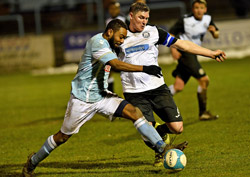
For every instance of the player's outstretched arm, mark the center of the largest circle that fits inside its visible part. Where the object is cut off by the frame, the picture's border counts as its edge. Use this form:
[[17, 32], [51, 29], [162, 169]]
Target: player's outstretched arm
[[122, 66], [190, 47]]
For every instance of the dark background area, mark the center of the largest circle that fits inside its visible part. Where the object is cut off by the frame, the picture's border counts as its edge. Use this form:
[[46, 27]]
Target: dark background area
[[59, 19]]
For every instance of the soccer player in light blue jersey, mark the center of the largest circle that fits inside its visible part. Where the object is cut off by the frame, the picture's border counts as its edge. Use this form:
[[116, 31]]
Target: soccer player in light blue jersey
[[89, 94]]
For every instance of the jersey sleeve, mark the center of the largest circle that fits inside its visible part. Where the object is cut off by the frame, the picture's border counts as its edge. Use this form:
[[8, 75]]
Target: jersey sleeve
[[165, 38], [178, 27], [101, 51], [213, 24]]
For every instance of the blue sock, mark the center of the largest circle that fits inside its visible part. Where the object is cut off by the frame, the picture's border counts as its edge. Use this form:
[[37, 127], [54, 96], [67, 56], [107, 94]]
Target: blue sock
[[45, 150], [150, 133]]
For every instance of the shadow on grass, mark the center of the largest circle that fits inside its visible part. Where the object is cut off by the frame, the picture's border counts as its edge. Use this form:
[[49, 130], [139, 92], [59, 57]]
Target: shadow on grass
[[121, 139], [42, 121], [57, 119], [188, 123], [87, 167]]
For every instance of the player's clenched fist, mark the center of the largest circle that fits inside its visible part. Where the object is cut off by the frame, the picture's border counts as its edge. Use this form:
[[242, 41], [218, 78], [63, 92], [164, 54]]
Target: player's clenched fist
[[219, 55], [153, 70]]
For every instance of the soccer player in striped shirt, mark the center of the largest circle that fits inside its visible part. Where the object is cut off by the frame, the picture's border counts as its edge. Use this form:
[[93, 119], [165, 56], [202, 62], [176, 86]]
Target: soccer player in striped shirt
[[149, 93], [193, 27]]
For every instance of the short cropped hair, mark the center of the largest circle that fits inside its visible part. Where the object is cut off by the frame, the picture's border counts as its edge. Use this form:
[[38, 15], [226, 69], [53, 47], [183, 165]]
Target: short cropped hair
[[199, 1], [115, 25], [138, 6], [114, 3]]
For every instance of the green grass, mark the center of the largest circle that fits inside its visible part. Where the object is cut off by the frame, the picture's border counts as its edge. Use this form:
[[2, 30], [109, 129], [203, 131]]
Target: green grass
[[32, 108]]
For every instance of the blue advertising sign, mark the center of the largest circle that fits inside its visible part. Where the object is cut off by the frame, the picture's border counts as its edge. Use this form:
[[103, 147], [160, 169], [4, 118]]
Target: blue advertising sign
[[74, 44], [77, 40]]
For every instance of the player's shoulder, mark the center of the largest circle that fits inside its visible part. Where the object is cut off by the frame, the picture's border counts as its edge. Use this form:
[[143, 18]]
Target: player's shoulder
[[207, 17], [98, 41], [154, 27], [151, 26], [190, 15]]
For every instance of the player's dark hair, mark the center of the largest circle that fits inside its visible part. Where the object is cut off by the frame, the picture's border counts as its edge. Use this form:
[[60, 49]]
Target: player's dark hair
[[115, 25], [138, 6], [199, 1], [115, 3]]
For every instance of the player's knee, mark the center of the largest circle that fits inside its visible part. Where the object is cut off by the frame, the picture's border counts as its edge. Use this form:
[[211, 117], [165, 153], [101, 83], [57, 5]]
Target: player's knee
[[179, 87], [204, 81], [61, 138], [178, 129]]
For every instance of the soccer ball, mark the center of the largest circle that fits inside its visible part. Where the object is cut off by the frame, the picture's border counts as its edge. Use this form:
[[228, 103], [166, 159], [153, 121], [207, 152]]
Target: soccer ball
[[175, 160]]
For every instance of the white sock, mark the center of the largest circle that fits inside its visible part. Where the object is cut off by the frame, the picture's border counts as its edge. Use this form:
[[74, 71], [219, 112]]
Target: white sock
[[199, 89], [172, 90]]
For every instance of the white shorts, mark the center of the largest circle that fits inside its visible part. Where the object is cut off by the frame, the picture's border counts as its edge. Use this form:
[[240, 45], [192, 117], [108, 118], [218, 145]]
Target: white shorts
[[79, 112]]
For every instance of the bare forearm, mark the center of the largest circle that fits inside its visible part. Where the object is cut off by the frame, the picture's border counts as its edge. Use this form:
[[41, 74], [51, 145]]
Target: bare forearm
[[193, 48], [122, 66]]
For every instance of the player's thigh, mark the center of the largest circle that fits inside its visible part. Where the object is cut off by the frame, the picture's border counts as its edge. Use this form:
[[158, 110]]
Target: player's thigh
[[140, 101], [182, 72], [193, 66], [111, 106], [165, 107], [77, 113]]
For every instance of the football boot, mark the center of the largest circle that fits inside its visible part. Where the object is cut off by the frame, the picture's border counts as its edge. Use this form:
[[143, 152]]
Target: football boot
[[208, 116], [28, 169]]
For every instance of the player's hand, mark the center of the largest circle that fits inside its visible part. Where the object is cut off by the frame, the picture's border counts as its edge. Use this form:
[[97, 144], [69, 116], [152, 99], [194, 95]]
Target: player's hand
[[153, 70], [213, 31], [219, 55], [211, 28]]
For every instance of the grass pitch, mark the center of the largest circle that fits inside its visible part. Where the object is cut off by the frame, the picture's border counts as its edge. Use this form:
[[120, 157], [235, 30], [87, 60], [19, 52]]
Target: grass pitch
[[32, 108]]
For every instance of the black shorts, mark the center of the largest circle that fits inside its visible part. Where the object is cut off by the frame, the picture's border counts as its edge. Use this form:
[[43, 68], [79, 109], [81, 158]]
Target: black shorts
[[159, 101], [188, 65]]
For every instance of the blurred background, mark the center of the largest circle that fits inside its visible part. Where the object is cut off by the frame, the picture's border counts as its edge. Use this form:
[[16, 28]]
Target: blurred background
[[52, 33]]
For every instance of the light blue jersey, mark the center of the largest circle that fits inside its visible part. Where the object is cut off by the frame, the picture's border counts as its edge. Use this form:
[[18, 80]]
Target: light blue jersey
[[91, 79]]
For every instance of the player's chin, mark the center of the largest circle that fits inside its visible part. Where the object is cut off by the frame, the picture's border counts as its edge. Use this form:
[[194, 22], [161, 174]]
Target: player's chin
[[117, 45], [142, 27]]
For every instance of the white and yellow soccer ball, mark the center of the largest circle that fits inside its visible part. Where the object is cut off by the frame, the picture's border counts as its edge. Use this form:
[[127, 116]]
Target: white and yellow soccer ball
[[175, 160]]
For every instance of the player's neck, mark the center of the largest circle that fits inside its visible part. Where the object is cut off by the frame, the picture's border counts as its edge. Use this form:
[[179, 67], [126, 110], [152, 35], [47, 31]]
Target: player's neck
[[105, 36]]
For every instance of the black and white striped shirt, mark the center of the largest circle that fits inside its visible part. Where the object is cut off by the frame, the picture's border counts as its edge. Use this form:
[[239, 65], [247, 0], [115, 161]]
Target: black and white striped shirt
[[189, 28], [141, 48]]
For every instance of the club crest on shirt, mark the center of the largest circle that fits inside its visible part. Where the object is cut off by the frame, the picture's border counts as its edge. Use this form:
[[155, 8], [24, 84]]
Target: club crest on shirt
[[101, 41], [107, 68], [145, 34]]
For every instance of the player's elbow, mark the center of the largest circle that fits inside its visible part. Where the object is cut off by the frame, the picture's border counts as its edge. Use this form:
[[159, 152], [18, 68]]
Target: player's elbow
[[115, 64]]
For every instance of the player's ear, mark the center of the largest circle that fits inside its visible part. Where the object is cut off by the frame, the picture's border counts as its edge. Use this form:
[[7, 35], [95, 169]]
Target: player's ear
[[206, 10], [110, 33], [130, 15]]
